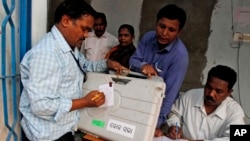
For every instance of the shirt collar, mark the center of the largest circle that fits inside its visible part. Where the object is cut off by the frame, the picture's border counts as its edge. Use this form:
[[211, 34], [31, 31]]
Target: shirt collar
[[92, 34], [220, 110], [58, 36], [167, 48]]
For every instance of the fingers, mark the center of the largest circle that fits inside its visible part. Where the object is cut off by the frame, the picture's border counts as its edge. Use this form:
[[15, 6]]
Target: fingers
[[95, 98], [149, 70], [158, 132], [98, 96], [116, 66], [100, 101], [172, 133]]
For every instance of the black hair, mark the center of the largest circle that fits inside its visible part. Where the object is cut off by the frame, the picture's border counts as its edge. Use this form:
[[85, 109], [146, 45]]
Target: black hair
[[100, 15], [172, 12], [129, 27], [74, 9], [224, 73]]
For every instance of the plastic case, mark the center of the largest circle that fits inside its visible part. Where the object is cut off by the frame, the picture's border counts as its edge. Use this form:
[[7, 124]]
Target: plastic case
[[133, 117]]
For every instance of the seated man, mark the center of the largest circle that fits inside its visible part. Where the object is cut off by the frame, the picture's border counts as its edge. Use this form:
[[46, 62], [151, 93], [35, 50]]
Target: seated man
[[208, 116]]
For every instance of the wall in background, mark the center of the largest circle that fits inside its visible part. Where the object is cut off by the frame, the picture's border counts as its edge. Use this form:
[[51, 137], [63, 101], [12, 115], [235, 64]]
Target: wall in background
[[208, 34]]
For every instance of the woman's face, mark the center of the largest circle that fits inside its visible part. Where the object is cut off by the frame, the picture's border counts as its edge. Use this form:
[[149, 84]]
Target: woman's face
[[125, 38]]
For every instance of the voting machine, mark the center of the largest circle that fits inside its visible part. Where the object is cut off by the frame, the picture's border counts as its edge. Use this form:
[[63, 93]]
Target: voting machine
[[135, 110]]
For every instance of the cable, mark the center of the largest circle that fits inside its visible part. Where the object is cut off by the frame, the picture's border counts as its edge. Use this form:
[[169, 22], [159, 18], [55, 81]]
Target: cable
[[237, 46]]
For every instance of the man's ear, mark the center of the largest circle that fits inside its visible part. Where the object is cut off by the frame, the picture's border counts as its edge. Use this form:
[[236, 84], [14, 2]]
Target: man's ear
[[230, 92], [179, 33], [65, 20]]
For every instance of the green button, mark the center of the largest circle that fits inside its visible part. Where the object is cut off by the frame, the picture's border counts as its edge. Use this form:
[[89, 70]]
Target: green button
[[98, 123]]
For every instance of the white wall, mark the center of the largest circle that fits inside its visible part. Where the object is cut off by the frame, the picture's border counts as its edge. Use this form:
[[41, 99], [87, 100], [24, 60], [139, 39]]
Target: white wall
[[120, 12], [221, 51], [39, 20], [220, 43]]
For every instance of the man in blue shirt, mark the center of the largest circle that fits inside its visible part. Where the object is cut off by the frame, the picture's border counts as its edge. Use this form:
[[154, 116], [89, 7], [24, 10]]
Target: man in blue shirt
[[52, 74], [161, 52]]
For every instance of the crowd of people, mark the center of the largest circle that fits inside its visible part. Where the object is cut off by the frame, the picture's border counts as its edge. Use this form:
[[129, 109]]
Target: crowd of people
[[53, 72]]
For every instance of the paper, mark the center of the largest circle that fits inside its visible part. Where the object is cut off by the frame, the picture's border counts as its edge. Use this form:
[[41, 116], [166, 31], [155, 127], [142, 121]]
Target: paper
[[121, 128], [164, 138], [108, 90], [242, 16]]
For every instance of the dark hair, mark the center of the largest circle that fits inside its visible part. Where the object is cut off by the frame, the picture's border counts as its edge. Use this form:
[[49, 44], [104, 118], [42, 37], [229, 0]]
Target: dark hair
[[224, 73], [172, 12], [74, 9], [129, 27], [100, 15]]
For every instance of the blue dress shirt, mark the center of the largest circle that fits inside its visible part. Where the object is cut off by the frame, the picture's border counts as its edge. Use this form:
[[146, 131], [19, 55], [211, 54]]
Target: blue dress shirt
[[171, 64], [51, 78]]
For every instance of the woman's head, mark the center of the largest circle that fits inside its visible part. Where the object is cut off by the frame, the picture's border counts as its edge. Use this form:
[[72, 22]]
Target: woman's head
[[126, 35]]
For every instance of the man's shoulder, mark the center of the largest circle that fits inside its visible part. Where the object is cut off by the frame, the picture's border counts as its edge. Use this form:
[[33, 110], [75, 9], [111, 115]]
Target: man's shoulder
[[193, 95], [109, 35], [194, 92], [150, 34], [180, 47], [232, 104], [149, 37]]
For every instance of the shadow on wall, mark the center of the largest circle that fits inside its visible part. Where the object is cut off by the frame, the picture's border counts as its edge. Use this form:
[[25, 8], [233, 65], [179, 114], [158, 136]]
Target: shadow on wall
[[195, 34]]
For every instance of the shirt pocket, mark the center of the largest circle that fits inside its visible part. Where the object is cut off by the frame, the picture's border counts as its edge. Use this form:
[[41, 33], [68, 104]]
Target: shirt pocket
[[69, 76]]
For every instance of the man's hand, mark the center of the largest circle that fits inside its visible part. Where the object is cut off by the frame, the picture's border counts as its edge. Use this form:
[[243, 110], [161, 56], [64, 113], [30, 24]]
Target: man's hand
[[173, 134], [158, 132], [116, 66], [92, 99], [148, 70]]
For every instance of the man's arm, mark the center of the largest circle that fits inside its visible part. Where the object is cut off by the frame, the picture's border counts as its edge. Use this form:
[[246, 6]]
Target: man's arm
[[41, 86], [136, 60], [92, 99], [174, 78]]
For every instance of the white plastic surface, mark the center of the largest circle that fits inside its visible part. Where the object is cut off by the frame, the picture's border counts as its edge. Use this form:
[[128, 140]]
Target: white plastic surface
[[133, 117]]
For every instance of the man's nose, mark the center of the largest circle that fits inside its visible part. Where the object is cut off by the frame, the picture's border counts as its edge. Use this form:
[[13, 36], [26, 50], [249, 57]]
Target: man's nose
[[99, 26], [122, 37], [165, 32], [212, 93]]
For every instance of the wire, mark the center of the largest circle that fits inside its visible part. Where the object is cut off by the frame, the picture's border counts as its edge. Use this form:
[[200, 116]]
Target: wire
[[237, 46]]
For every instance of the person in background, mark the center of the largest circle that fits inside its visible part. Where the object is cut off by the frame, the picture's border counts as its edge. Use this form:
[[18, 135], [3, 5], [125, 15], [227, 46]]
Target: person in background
[[99, 42], [122, 52], [207, 113], [52, 75], [161, 52]]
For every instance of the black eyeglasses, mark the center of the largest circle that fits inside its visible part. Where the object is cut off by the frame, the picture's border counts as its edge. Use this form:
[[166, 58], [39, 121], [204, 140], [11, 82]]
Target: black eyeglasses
[[78, 64]]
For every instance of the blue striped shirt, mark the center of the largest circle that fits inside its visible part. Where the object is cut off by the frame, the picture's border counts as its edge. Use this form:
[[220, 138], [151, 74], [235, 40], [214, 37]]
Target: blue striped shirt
[[51, 79]]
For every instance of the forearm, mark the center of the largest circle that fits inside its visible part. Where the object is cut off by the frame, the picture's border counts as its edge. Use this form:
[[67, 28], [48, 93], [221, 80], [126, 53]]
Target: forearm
[[96, 66], [78, 104], [92, 99]]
